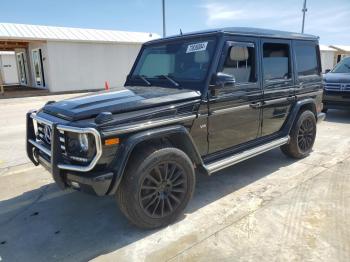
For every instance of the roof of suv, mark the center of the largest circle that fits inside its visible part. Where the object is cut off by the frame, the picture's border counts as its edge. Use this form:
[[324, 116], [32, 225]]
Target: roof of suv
[[250, 31], [267, 33]]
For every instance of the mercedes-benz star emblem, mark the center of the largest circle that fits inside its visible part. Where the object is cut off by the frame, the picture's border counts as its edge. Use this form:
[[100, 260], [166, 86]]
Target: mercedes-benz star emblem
[[47, 134]]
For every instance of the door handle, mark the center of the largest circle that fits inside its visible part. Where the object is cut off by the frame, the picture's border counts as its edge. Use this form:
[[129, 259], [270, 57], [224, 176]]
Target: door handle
[[256, 105], [291, 98]]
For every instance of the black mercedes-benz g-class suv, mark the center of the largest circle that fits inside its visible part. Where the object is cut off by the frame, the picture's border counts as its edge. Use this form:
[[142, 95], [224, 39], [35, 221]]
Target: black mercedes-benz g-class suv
[[192, 104], [337, 86]]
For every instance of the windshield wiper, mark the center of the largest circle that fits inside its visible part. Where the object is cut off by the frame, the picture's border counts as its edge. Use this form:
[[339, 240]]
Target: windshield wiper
[[176, 84], [144, 79]]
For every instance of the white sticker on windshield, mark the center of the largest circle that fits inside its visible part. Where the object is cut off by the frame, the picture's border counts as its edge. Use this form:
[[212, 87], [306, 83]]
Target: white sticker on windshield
[[197, 47]]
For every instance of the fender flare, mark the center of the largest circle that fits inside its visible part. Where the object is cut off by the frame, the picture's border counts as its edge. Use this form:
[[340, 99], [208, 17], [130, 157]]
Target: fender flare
[[294, 113], [127, 146]]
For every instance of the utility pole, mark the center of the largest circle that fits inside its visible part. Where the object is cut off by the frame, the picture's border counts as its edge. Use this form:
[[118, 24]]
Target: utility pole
[[304, 10], [163, 7]]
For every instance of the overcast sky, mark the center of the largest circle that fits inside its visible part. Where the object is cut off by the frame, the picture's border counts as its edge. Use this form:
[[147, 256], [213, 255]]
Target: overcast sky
[[328, 19]]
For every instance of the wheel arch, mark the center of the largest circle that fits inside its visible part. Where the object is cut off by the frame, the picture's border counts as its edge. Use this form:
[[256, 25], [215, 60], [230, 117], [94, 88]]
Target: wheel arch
[[176, 136], [300, 106]]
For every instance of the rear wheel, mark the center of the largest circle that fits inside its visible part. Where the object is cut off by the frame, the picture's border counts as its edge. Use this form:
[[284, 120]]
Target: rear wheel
[[302, 136], [156, 187]]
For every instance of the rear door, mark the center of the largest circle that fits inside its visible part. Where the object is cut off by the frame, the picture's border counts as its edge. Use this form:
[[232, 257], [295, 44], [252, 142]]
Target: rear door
[[234, 114], [308, 67], [278, 83]]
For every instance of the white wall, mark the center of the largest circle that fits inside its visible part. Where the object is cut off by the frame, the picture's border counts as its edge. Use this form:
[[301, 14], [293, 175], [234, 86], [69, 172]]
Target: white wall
[[83, 66], [327, 60], [8, 68]]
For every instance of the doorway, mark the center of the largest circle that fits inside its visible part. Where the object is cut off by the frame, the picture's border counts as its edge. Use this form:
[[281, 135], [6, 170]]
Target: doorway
[[22, 68], [39, 79]]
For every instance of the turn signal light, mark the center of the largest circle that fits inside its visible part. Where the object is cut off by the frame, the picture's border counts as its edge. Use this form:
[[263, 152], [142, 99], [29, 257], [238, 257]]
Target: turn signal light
[[112, 141]]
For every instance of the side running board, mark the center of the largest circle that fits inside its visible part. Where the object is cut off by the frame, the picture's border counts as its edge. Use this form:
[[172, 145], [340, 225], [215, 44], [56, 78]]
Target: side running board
[[234, 159]]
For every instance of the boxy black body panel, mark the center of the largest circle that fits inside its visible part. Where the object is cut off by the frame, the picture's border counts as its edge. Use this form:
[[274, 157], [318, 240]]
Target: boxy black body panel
[[208, 123]]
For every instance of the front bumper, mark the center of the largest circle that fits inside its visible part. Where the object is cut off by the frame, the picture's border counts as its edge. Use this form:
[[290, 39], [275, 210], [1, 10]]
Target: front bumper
[[83, 178], [336, 100]]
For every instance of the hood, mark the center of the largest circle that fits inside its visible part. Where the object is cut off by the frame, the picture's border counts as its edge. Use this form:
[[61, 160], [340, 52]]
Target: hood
[[337, 77], [119, 100]]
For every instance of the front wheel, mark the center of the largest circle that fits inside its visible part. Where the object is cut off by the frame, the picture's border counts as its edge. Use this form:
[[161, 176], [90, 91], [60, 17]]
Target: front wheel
[[156, 187], [302, 136]]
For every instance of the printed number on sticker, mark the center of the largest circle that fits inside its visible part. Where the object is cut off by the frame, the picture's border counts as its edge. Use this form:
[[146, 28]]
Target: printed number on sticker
[[197, 47]]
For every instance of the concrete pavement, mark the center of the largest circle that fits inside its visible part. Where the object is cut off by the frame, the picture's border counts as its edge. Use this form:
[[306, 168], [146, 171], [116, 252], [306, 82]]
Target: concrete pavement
[[269, 208]]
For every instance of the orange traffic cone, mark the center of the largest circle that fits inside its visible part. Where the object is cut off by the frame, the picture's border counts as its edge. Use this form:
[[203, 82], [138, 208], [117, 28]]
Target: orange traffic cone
[[106, 85]]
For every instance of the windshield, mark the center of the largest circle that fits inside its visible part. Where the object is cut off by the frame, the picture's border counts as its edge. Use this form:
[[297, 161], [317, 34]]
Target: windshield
[[179, 62], [343, 66]]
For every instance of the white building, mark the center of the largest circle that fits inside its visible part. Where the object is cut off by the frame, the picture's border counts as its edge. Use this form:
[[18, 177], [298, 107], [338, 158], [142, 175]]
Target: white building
[[8, 68], [71, 59], [341, 52], [327, 57]]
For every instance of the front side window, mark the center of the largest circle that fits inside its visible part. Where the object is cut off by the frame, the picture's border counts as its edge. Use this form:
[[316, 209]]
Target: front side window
[[343, 66], [186, 60], [276, 61], [240, 63], [306, 58]]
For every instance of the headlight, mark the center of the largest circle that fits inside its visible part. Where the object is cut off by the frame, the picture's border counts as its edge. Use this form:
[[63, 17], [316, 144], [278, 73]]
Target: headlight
[[80, 147], [84, 142]]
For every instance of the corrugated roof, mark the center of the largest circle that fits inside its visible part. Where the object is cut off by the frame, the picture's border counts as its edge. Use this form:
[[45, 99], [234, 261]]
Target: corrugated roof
[[39, 32], [326, 48], [345, 48]]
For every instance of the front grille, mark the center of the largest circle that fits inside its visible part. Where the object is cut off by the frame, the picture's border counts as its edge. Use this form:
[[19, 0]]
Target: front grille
[[45, 138], [62, 138], [44, 135], [337, 87]]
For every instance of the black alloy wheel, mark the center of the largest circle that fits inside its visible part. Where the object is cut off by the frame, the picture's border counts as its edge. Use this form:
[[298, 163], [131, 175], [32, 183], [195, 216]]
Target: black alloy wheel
[[306, 135], [163, 189], [302, 136], [156, 187]]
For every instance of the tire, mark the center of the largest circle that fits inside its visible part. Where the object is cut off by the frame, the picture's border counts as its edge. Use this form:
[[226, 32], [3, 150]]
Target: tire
[[302, 136], [146, 197]]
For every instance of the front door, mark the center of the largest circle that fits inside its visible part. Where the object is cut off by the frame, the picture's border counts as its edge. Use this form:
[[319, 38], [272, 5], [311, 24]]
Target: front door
[[277, 68], [22, 68], [234, 113], [38, 68]]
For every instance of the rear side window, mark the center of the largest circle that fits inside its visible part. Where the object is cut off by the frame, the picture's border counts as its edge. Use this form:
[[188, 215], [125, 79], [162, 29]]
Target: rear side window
[[240, 62], [306, 58], [276, 61]]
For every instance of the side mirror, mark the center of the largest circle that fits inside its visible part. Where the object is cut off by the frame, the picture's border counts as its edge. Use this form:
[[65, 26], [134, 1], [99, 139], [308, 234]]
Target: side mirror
[[222, 80], [327, 71]]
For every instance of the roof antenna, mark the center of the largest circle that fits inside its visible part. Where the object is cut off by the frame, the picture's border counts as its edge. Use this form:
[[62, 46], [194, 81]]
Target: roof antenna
[[180, 31]]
